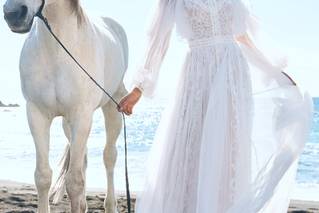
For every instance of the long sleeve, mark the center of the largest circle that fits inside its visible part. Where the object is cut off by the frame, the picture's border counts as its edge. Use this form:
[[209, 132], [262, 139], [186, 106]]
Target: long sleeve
[[159, 36], [257, 57], [245, 28]]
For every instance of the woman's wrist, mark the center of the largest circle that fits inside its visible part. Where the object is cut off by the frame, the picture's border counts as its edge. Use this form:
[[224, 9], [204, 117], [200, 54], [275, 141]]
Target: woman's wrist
[[137, 91]]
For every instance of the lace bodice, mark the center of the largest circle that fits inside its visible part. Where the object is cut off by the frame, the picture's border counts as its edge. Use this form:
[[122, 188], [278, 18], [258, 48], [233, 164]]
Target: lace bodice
[[206, 20]]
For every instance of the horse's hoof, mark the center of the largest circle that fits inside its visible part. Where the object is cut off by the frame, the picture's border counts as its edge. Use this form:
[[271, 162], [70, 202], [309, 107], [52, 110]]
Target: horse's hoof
[[111, 211], [110, 207]]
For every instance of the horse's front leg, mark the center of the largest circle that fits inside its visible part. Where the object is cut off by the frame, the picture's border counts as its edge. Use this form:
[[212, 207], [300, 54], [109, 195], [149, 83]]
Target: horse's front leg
[[40, 123], [80, 125]]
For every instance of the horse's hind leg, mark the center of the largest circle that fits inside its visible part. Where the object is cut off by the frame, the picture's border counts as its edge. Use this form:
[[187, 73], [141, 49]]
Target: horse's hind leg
[[40, 129], [113, 128], [113, 125]]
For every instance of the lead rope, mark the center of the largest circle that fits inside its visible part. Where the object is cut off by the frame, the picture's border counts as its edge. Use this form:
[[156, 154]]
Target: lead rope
[[46, 23]]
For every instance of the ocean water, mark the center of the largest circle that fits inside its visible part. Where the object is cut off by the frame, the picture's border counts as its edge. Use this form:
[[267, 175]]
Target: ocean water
[[17, 153]]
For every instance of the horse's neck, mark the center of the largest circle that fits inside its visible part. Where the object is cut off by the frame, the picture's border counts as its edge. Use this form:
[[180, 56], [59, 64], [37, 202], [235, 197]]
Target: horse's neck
[[63, 21]]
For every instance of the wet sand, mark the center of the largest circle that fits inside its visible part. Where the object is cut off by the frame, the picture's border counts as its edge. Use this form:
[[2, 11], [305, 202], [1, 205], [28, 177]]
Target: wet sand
[[22, 198]]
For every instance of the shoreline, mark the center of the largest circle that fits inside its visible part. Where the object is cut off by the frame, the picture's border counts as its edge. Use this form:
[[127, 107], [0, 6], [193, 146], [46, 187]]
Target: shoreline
[[16, 196]]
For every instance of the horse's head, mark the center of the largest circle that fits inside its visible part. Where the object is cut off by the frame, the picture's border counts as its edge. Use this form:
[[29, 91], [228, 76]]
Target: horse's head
[[19, 14]]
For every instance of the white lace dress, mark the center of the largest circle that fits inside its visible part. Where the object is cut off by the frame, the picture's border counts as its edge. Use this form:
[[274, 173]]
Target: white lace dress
[[227, 145]]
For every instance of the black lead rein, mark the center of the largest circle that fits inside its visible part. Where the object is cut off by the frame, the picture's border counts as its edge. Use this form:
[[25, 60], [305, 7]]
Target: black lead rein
[[46, 23]]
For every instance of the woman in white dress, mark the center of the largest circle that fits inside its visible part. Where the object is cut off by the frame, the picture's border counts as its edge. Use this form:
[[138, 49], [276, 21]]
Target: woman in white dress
[[238, 124]]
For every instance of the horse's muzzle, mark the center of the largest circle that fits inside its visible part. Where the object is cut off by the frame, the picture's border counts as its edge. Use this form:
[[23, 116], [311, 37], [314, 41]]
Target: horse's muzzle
[[17, 19]]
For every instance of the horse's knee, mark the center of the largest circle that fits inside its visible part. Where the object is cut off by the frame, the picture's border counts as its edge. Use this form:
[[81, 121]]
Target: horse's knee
[[43, 179]]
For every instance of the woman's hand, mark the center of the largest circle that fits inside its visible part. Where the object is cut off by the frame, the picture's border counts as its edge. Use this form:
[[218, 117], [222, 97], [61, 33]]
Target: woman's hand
[[128, 102]]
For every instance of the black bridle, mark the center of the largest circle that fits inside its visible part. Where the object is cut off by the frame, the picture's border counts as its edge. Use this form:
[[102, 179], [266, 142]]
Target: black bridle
[[40, 15]]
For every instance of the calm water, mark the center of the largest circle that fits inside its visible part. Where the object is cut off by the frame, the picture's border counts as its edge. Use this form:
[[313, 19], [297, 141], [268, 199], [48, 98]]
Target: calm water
[[17, 154]]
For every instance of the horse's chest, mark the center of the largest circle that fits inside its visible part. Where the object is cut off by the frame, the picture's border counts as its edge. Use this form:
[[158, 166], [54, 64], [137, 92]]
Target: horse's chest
[[51, 78], [55, 87]]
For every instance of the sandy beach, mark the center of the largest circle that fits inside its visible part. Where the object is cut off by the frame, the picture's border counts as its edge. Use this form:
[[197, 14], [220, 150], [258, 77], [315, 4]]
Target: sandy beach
[[21, 198]]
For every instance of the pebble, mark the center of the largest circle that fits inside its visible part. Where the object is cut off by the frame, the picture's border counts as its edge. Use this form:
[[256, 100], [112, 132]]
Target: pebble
[[4, 190]]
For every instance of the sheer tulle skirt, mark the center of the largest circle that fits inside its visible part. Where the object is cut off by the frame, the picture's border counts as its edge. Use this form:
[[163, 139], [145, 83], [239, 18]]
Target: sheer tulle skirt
[[222, 148]]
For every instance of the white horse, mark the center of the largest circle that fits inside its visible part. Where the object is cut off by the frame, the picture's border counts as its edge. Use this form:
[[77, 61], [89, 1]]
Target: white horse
[[53, 85]]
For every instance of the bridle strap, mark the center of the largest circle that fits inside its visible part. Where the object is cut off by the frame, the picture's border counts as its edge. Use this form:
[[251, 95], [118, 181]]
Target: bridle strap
[[39, 13]]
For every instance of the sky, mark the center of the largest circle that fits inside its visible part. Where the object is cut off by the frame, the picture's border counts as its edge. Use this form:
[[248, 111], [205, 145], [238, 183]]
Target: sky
[[293, 25]]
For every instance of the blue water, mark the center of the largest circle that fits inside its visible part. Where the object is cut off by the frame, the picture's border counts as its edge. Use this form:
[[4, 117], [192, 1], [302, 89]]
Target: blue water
[[17, 153], [308, 172]]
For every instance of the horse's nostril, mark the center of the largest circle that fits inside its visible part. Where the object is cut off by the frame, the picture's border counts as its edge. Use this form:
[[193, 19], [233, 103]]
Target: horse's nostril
[[14, 16], [24, 12]]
